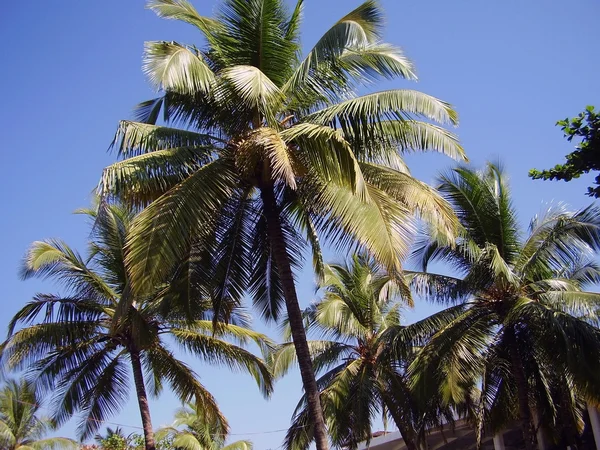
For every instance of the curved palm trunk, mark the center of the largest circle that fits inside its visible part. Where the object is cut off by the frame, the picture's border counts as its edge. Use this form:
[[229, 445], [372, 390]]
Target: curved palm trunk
[[407, 434], [523, 396], [282, 260], [140, 388]]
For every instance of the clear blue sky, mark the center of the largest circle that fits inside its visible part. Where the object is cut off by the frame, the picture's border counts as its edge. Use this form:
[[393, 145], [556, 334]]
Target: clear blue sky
[[71, 70]]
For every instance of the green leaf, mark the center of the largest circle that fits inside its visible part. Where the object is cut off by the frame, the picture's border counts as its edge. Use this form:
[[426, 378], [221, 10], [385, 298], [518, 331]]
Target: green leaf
[[172, 67]]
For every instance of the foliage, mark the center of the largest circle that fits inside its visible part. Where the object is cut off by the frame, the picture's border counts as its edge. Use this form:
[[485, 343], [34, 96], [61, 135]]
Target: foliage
[[586, 126], [78, 346], [362, 355], [257, 117], [194, 430], [523, 323], [20, 425], [115, 442], [273, 152]]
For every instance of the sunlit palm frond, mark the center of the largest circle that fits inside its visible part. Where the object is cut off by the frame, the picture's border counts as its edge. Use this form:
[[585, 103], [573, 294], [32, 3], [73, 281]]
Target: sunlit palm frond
[[184, 11], [383, 226], [55, 443], [324, 354], [239, 445], [170, 66], [249, 86], [415, 196], [358, 28], [376, 60], [218, 351], [396, 104], [380, 140], [55, 259]]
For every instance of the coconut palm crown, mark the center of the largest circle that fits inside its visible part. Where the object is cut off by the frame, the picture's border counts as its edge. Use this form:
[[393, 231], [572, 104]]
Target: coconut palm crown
[[193, 430], [274, 151], [82, 347], [21, 427], [522, 326]]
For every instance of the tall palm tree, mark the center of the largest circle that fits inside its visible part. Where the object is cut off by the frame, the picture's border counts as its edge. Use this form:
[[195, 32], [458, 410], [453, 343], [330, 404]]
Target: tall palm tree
[[79, 345], [362, 373], [276, 150], [20, 426], [522, 324], [193, 430]]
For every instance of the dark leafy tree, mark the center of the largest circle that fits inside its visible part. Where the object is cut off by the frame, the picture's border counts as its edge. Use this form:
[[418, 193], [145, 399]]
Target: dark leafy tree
[[586, 127]]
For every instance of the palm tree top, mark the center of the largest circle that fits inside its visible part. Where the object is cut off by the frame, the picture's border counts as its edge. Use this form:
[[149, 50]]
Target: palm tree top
[[20, 425], [493, 255], [258, 115], [193, 430], [79, 346], [522, 326]]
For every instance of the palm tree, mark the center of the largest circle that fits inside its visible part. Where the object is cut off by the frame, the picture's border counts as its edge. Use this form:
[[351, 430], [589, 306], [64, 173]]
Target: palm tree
[[275, 151], [199, 432], [114, 439], [522, 324], [20, 426], [79, 345], [362, 372]]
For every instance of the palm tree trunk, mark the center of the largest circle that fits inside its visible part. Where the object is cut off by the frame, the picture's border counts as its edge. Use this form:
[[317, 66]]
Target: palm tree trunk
[[140, 388], [407, 433], [280, 255], [523, 396]]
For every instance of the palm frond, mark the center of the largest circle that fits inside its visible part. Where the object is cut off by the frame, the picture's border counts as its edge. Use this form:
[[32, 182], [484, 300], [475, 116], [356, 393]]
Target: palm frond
[[161, 233], [55, 443], [358, 28], [250, 87], [170, 66], [103, 396], [397, 104], [185, 384], [141, 179], [137, 138], [258, 33], [380, 140], [376, 60], [218, 351], [383, 226], [55, 259], [239, 445], [328, 154], [184, 11], [436, 287], [454, 355], [148, 110], [416, 196], [323, 353]]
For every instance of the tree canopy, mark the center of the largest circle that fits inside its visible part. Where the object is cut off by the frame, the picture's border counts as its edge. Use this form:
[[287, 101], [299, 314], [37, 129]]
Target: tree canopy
[[586, 126]]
